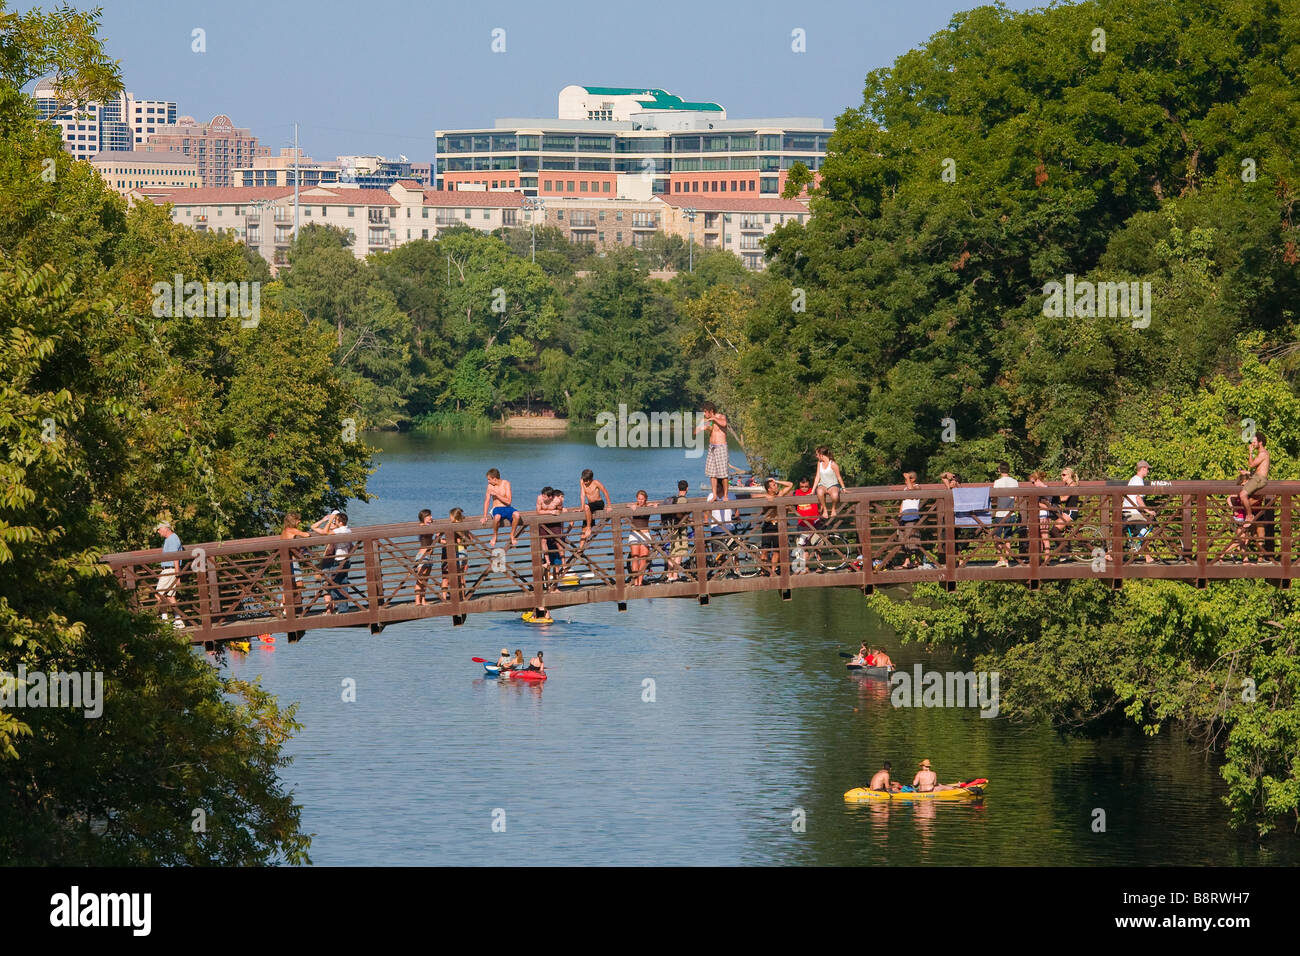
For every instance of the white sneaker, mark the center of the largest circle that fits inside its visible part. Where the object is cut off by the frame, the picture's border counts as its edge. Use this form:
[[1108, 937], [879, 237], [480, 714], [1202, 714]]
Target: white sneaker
[[1002, 563]]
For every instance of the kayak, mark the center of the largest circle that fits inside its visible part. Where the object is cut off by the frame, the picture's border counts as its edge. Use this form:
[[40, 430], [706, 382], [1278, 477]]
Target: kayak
[[494, 671], [529, 617], [968, 792], [862, 670]]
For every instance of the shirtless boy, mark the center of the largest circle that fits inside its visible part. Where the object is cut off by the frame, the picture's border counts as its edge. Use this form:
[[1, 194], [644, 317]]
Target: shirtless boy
[[498, 490], [593, 496], [1258, 464]]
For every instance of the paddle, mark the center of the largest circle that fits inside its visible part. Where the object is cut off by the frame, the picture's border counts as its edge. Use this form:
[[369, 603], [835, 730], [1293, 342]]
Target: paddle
[[848, 655], [480, 660]]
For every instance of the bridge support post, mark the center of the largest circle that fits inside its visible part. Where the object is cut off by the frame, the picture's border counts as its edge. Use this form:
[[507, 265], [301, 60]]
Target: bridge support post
[[622, 606], [457, 620], [703, 599]]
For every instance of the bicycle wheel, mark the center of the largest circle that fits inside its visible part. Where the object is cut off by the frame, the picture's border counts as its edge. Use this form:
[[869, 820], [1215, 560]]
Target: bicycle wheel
[[831, 552], [746, 560], [1086, 541]]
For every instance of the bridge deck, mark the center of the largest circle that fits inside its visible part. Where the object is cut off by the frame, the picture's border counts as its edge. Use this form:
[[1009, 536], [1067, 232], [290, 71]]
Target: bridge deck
[[231, 590]]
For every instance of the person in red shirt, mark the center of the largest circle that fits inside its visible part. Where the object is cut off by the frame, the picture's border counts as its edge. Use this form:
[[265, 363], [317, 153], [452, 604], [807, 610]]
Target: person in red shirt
[[808, 513]]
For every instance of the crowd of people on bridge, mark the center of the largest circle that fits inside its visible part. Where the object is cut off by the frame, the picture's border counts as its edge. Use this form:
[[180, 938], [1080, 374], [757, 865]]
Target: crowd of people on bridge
[[671, 538]]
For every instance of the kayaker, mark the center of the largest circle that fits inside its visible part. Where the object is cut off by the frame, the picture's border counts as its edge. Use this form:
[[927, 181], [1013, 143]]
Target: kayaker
[[518, 663], [881, 780], [536, 664], [926, 780], [503, 662], [881, 659]]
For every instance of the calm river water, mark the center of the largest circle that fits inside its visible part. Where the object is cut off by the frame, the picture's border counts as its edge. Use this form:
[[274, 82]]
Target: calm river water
[[754, 720]]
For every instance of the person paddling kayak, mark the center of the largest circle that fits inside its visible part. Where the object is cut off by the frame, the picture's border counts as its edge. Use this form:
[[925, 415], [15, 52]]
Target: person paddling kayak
[[504, 661], [536, 664], [881, 780]]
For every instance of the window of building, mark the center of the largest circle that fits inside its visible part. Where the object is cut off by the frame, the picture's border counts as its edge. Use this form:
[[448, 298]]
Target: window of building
[[352, 210], [604, 187], [570, 186], [583, 185], [619, 217], [424, 233], [695, 186], [618, 237], [468, 213], [600, 236], [546, 184], [487, 213]]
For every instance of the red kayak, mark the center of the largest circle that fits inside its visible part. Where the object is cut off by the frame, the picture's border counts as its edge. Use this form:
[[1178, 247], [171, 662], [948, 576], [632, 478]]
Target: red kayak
[[494, 671]]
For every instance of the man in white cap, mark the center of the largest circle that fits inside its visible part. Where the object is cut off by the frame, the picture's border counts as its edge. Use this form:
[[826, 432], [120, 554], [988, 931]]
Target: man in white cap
[[168, 578]]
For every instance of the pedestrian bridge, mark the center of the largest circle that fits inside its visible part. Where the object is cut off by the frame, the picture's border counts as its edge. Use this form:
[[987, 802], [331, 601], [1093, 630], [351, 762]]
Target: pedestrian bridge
[[231, 590]]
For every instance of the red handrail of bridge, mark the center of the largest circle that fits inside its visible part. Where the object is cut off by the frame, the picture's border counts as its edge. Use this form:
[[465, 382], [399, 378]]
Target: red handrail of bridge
[[1191, 531]]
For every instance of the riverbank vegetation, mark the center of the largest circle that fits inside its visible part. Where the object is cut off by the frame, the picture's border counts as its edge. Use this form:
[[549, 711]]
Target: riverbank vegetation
[[112, 417], [1012, 151]]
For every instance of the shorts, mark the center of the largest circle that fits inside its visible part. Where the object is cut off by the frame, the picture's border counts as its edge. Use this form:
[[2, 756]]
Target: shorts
[[1255, 483], [504, 512], [556, 558], [636, 536], [1004, 527], [166, 583], [715, 465], [597, 505], [769, 540]]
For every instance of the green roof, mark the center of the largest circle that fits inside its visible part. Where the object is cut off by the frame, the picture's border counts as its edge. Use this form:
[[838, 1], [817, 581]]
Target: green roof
[[659, 99]]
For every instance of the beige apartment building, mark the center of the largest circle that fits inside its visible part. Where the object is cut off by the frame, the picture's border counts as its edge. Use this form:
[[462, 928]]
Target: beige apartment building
[[379, 220], [125, 170], [736, 224]]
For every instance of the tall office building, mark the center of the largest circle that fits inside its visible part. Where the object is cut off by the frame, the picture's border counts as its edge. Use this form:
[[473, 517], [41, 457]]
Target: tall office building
[[678, 146], [219, 147], [122, 123]]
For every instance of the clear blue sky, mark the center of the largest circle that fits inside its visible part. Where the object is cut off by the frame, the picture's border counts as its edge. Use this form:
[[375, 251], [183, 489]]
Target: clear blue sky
[[379, 76]]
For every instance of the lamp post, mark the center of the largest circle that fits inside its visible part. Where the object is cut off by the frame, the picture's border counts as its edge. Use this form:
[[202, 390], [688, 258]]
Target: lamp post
[[690, 253], [534, 205]]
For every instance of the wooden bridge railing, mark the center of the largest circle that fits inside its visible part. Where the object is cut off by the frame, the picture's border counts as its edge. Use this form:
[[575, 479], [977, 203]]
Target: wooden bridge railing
[[1190, 531]]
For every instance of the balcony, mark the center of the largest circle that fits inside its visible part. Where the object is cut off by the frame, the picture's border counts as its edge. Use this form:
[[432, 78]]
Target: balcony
[[582, 221], [751, 225], [377, 217], [645, 222], [446, 219]]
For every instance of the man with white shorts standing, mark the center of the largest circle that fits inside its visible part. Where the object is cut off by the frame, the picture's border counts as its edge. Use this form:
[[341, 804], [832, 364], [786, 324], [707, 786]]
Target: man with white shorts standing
[[169, 578]]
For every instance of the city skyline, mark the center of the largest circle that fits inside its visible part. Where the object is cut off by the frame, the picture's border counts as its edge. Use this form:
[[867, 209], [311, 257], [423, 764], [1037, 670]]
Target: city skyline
[[372, 84]]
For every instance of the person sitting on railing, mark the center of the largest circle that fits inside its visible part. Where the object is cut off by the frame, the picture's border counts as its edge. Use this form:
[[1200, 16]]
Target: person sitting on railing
[[593, 496], [830, 482], [498, 490]]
